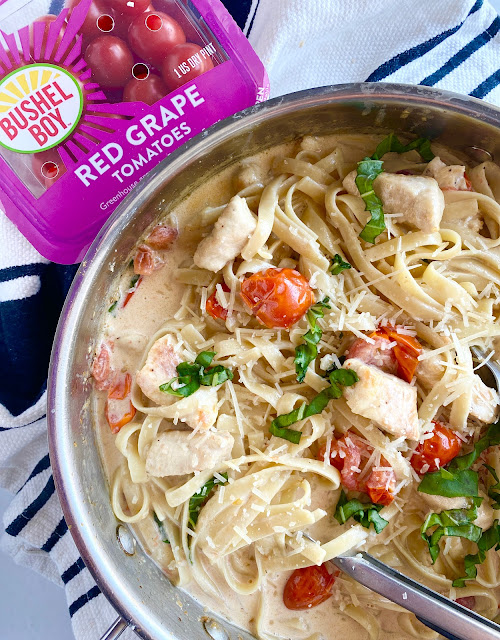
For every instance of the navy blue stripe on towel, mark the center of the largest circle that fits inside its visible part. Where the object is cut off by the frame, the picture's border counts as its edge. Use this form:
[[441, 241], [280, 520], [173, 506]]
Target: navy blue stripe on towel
[[405, 57], [487, 85], [41, 465], [55, 536], [73, 571], [18, 524], [473, 46], [82, 600]]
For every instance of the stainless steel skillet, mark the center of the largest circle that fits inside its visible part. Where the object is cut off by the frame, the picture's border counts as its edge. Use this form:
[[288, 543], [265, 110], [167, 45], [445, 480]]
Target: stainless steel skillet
[[137, 589]]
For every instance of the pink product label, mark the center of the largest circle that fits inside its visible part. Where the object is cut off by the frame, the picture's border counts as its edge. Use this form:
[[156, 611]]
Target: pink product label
[[95, 151]]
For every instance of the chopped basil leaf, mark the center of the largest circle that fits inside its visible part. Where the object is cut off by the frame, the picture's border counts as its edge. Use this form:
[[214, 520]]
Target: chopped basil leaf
[[455, 522], [113, 306], [216, 376], [287, 434], [318, 403], [371, 168], [205, 358], [462, 483], [192, 375], [457, 479], [489, 539], [338, 265], [366, 513], [494, 489], [368, 170], [161, 528], [134, 280], [306, 353], [392, 143], [197, 500]]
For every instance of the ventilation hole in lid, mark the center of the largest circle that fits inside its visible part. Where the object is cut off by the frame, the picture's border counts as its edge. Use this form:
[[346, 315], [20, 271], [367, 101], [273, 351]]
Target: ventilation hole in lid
[[125, 539], [214, 629], [49, 170], [140, 71], [154, 22], [105, 23]]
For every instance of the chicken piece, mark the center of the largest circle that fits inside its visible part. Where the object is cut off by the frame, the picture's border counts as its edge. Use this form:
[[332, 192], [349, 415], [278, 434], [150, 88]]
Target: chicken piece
[[429, 371], [383, 398], [484, 403], [199, 410], [450, 177], [228, 237], [175, 453], [376, 354], [418, 198], [160, 367]]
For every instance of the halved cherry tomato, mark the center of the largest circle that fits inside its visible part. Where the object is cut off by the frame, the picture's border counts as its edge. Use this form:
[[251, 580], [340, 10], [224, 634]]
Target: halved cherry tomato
[[308, 587], [468, 601], [101, 367], [406, 351], [119, 409], [162, 237], [437, 451], [213, 308], [380, 485], [278, 297], [111, 61], [349, 454], [131, 293], [184, 63], [146, 261], [153, 35]]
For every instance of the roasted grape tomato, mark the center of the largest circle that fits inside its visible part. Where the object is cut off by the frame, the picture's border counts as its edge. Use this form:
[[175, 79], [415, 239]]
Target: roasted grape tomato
[[149, 90], [119, 409], [406, 351], [162, 237], [184, 63], [146, 261], [213, 307], [308, 587], [436, 451], [277, 297], [111, 61], [101, 367], [380, 485], [153, 35]]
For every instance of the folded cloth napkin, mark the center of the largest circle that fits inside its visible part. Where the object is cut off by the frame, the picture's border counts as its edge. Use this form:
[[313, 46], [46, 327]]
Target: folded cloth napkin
[[451, 44]]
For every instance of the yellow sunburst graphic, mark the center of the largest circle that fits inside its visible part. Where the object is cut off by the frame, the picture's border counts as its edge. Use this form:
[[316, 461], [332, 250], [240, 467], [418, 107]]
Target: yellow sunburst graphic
[[20, 84]]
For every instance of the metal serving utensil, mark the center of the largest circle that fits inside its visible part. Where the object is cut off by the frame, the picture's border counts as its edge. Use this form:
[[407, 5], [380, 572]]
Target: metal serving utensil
[[451, 620]]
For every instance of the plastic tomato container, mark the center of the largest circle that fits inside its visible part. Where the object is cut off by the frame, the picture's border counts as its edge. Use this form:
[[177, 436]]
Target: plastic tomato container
[[93, 98]]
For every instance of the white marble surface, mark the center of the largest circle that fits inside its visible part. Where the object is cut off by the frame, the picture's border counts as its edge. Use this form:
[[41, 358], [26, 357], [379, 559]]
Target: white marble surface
[[43, 605]]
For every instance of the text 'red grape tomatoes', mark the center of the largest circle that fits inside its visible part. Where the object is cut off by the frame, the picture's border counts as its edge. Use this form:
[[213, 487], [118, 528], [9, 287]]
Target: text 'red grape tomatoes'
[[111, 61], [277, 297], [437, 451], [308, 587], [153, 35], [184, 63], [149, 90]]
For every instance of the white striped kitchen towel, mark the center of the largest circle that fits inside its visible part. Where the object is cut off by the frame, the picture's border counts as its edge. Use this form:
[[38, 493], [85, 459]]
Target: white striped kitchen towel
[[451, 44]]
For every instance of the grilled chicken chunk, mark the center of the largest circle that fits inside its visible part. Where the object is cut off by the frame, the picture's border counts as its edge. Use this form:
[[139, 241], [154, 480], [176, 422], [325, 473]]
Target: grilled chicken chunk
[[228, 237], [176, 453], [383, 398]]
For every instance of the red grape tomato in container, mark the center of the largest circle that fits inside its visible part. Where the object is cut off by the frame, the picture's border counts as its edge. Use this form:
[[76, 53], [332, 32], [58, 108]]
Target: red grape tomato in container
[[93, 98]]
